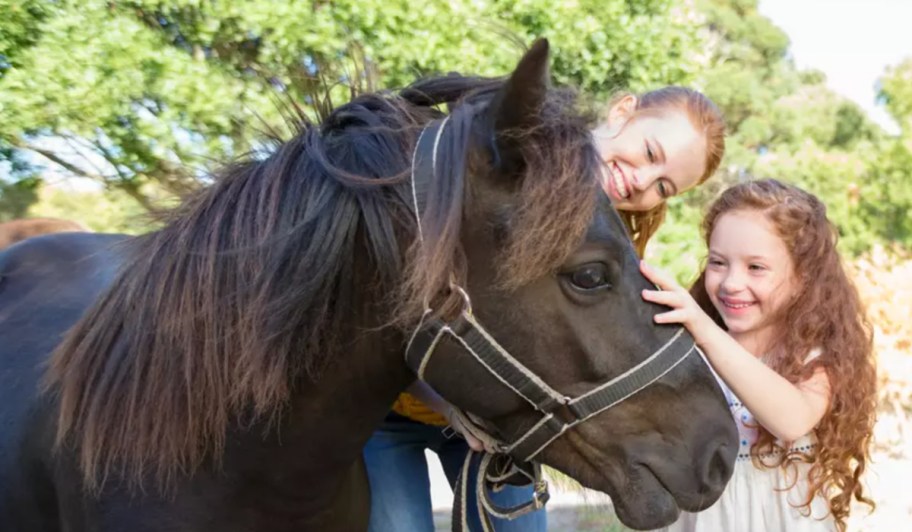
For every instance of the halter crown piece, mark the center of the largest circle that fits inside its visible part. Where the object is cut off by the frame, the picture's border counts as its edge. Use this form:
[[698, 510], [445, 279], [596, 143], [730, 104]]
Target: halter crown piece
[[559, 413]]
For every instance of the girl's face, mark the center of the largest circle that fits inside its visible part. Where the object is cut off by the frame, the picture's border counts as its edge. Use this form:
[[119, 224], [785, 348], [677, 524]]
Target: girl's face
[[648, 158], [749, 275]]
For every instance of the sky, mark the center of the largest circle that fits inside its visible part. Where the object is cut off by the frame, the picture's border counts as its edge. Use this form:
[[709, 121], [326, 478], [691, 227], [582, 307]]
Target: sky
[[851, 41]]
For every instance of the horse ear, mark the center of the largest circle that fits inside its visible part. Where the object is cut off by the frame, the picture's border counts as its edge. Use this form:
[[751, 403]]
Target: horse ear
[[518, 105]]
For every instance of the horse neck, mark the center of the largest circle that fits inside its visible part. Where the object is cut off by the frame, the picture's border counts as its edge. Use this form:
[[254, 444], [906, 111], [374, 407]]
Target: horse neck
[[308, 469], [329, 420], [354, 395]]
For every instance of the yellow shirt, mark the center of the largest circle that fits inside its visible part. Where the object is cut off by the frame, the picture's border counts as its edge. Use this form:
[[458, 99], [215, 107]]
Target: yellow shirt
[[409, 406]]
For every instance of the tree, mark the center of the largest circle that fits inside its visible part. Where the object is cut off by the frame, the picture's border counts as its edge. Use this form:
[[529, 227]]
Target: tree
[[16, 197], [106, 211], [782, 123], [896, 93], [887, 201], [20, 28], [160, 91]]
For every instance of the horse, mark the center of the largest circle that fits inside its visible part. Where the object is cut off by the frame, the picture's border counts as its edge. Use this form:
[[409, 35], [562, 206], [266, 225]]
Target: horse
[[15, 230], [225, 371]]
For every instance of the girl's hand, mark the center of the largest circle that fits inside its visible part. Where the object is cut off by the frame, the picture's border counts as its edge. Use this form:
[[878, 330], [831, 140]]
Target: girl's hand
[[685, 310]]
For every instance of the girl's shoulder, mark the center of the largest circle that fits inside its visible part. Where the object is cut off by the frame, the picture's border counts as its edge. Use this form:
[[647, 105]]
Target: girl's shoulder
[[814, 353]]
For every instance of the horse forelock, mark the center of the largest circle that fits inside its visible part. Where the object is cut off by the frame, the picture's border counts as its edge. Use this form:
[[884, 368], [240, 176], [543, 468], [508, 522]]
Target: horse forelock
[[552, 210], [558, 195]]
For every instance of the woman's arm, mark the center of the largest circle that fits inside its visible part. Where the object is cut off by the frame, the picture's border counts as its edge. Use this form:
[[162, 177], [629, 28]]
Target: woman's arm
[[787, 410]]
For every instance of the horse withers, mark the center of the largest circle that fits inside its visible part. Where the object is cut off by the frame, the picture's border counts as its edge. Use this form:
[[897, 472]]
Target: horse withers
[[224, 372]]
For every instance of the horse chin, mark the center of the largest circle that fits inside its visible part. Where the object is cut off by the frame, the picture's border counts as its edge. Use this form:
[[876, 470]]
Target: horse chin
[[641, 500], [644, 503]]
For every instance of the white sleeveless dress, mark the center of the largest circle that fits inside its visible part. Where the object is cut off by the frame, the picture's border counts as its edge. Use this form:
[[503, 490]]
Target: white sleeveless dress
[[761, 499]]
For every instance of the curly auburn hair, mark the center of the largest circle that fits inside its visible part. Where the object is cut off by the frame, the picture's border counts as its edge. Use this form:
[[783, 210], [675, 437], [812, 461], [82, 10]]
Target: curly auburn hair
[[825, 313], [705, 117]]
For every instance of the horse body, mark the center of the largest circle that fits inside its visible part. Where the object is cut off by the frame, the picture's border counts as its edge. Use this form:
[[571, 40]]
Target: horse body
[[35, 314], [225, 372], [262, 481]]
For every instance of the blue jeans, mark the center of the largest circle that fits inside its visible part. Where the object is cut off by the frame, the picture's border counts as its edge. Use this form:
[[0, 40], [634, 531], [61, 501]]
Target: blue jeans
[[400, 486]]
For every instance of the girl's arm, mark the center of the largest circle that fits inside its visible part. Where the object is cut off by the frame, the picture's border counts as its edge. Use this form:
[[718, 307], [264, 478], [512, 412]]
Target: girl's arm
[[787, 410]]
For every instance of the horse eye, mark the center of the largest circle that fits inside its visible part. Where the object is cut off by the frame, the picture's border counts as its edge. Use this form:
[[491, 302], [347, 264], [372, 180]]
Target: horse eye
[[590, 277]]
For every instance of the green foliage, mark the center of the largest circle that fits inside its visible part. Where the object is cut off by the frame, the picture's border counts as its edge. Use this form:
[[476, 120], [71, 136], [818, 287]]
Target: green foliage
[[747, 68], [162, 91], [786, 124], [16, 197], [19, 28], [678, 246], [19, 184], [136, 109], [896, 93], [835, 176], [105, 211], [887, 195]]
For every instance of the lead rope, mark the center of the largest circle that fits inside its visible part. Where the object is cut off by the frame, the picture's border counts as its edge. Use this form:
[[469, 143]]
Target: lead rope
[[494, 470]]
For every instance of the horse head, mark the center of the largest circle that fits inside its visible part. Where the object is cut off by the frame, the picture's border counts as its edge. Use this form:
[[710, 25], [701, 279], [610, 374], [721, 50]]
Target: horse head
[[536, 325]]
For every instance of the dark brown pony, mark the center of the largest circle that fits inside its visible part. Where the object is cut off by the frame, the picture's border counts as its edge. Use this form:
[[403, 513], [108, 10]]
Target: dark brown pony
[[15, 230], [225, 372]]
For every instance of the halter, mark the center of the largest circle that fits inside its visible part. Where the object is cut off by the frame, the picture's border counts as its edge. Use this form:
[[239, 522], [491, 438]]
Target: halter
[[559, 413]]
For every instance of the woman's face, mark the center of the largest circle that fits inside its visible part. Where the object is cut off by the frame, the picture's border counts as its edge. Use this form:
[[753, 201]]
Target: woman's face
[[648, 158]]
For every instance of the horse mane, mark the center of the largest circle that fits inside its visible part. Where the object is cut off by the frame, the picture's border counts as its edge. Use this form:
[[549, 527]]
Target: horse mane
[[243, 295]]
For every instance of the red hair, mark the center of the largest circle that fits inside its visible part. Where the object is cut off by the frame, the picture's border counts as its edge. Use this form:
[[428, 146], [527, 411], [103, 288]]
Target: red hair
[[705, 117], [824, 312]]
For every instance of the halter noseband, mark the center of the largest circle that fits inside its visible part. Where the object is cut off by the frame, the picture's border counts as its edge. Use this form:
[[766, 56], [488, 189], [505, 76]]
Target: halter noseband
[[559, 412]]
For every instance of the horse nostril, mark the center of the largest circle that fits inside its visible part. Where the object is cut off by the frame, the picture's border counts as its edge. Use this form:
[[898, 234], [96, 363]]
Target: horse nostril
[[718, 468]]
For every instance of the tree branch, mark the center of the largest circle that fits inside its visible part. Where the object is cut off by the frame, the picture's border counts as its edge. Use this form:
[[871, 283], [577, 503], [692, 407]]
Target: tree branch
[[124, 184], [133, 191], [56, 159]]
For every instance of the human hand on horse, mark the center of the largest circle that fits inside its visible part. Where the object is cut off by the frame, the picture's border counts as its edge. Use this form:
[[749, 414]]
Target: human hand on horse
[[684, 309], [455, 418]]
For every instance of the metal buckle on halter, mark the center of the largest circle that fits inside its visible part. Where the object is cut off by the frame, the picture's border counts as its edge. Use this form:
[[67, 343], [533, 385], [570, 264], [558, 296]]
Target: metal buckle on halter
[[541, 495]]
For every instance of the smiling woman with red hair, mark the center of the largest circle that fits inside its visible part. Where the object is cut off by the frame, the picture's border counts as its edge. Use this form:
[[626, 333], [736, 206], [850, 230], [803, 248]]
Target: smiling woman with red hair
[[655, 146]]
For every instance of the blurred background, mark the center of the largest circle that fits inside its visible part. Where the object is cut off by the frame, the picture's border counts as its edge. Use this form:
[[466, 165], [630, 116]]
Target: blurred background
[[112, 109]]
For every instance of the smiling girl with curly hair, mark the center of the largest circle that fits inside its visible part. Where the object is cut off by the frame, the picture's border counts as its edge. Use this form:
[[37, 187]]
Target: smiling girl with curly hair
[[782, 324]]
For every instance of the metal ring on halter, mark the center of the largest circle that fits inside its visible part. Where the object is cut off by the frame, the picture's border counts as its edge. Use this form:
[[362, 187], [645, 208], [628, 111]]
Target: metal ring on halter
[[465, 297]]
